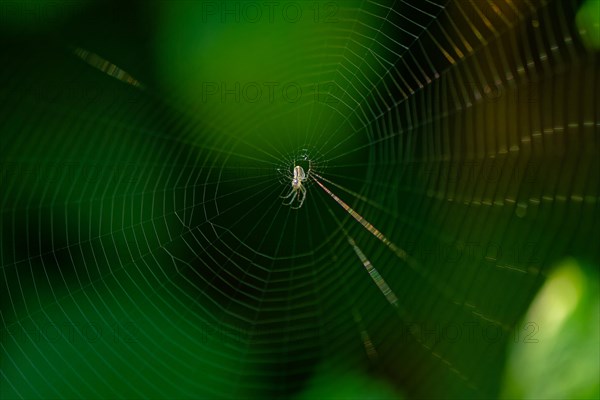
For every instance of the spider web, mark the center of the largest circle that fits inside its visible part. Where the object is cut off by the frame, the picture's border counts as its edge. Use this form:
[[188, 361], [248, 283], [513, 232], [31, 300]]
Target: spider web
[[146, 250]]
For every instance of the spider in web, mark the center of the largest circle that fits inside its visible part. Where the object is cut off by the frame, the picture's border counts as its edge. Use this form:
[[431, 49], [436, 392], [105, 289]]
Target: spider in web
[[298, 190]]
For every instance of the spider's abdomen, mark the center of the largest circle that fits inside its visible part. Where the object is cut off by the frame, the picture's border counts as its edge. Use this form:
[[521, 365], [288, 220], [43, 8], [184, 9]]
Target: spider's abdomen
[[299, 173]]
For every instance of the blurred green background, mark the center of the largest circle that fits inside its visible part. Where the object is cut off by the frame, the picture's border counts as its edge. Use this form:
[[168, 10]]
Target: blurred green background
[[145, 249]]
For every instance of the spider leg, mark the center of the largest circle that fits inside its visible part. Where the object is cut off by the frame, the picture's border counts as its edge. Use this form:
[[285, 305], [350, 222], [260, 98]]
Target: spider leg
[[289, 178], [288, 195], [301, 198], [292, 199]]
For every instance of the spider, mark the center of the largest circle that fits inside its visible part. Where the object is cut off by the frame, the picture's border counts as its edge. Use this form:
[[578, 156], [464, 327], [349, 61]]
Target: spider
[[298, 178]]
